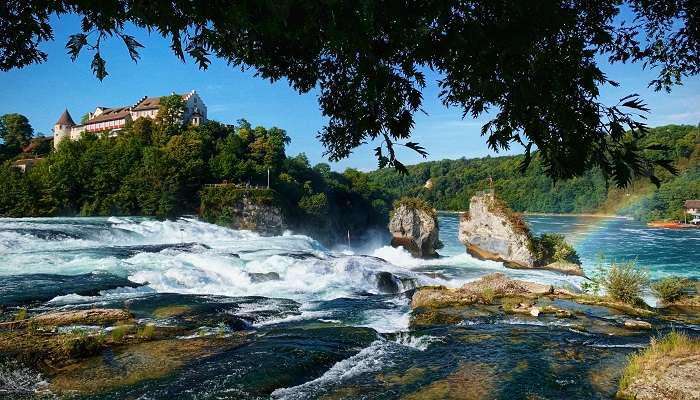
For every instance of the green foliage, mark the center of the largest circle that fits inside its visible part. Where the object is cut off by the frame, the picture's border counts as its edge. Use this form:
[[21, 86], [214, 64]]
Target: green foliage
[[672, 288], [315, 205], [221, 329], [146, 332], [661, 352], [218, 202], [152, 168], [145, 170], [622, 281], [488, 295], [170, 111], [367, 61], [79, 344], [415, 203], [21, 314], [119, 332], [553, 247], [16, 132], [454, 182]]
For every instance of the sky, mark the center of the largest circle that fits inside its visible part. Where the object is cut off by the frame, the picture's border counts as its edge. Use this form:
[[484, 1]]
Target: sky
[[41, 92]]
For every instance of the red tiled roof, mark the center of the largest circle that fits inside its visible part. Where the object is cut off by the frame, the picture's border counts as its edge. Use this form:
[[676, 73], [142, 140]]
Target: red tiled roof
[[110, 114], [692, 204], [65, 119], [150, 103]]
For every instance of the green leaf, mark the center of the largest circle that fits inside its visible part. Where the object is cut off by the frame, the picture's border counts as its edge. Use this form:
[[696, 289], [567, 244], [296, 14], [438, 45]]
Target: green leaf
[[417, 148], [75, 44], [98, 66], [400, 167], [132, 45]]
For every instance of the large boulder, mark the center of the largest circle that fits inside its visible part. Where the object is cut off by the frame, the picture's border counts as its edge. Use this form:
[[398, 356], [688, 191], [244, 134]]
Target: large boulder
[[491, 232], [414, 226]]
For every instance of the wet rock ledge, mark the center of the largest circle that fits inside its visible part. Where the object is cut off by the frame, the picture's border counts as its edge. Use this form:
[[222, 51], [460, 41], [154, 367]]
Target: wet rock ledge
[[667, 369], [68, 347], [512, 296]]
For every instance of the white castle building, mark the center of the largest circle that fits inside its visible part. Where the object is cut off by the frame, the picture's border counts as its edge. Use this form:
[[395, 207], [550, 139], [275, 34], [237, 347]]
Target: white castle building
[[112, 119]]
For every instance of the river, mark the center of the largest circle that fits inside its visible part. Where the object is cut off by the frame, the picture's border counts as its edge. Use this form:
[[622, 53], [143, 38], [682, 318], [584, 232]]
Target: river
[[322, 323]]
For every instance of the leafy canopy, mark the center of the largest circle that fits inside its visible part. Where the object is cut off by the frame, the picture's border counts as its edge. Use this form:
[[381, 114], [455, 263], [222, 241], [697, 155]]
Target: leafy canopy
[[15, 131], [534, 63]]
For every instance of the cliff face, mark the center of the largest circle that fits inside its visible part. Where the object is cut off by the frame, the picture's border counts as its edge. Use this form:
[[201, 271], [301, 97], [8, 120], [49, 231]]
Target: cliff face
[[489, 233], [262, 218], [254, 210], [415, 229]]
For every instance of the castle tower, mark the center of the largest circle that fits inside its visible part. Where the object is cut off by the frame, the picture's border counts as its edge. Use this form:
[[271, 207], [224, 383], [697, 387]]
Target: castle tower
[[62, 128]]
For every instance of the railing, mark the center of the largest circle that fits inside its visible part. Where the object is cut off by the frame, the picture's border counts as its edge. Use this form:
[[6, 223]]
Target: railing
[[238, 186]]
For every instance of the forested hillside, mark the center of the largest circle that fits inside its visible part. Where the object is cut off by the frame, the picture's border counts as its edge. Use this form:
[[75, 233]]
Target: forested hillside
[[153, 168], [448, 184], [158, 168]]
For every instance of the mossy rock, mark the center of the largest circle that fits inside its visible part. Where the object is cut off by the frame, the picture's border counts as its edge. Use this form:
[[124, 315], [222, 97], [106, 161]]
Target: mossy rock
[[624, 308]]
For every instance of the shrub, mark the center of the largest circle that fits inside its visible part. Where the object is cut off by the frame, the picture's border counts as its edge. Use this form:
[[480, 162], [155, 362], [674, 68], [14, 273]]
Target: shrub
[[415, 203], [553, 247], [315, 205], [672, 288], [673, 345], [146, 332], [221, 329], [21, 314], [79, 343], [118, 333], [622, 282]]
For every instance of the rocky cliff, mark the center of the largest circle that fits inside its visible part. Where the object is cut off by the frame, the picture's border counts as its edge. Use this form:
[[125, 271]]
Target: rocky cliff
[[252, 209], [414, 226], [490, 232]]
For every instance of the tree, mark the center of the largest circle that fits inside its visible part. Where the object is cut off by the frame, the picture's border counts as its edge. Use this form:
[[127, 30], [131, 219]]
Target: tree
[[169, 118], [16, 131], [536, 63]]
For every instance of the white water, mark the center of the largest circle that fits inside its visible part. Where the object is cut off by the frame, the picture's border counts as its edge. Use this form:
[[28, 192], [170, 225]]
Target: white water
[[209, 259], [377, 356]]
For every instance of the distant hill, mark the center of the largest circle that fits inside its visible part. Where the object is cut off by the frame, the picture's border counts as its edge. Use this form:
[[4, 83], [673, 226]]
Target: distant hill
[[448, 184]]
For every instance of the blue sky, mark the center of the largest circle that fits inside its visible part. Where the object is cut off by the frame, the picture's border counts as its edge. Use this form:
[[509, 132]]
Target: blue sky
[[41, 92]]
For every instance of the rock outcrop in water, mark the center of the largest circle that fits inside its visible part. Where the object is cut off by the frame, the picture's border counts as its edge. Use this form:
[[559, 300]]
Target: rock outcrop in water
[[251, 209], [414, 226], [491, 231], [482, 290]]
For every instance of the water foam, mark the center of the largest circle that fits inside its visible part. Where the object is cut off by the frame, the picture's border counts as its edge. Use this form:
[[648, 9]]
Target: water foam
[[370, 359]]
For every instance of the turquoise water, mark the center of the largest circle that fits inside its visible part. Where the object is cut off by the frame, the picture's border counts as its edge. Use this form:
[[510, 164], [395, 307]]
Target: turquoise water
[[324, 323], [662, 252]]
